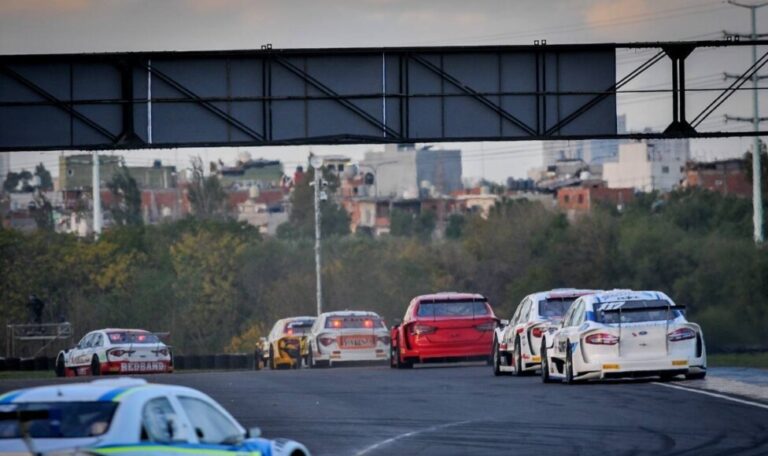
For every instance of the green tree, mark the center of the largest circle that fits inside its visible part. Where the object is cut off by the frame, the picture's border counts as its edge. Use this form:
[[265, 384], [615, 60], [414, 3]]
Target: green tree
[[206, 195], [301, 223], [42, 212], [46, 181], [455, 226], [126, 208]]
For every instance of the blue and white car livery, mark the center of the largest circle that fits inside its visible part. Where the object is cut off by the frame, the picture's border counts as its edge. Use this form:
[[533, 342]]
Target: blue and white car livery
[[128, 417], [624, 333]]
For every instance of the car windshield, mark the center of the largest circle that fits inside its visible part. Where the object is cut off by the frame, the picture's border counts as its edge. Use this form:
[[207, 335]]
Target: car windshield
[[132, 337], [453, 309], [65, 419], [298, 328], [554, 308], [634, 311], [353, 322]]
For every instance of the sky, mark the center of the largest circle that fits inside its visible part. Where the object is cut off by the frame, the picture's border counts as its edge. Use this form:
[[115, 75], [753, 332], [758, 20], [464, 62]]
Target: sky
[[73, 26]]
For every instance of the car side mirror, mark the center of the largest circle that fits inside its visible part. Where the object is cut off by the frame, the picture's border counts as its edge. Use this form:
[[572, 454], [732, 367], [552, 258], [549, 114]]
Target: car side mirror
[[253, 433], [504, 322]]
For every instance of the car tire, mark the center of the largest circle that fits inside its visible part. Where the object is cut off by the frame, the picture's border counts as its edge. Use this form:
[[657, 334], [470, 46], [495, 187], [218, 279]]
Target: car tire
[[61, 368], [272, 364], [394, 358], [496, 359], [518, 359], [545, 378], [696, 376], [568, 380], [95, 366], [310, 359]]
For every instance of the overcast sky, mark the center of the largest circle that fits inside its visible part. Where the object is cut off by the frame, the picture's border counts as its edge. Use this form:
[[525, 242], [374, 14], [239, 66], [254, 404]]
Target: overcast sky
[[62, 26]]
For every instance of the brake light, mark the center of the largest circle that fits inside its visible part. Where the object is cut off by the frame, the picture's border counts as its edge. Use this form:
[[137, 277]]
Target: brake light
[[419, 329], [120, 352], [326, 340], [537, 331], [368, 323], [384, 340], [289, 332], [490, 326], [336, 323], [681, 334], [602, 339]]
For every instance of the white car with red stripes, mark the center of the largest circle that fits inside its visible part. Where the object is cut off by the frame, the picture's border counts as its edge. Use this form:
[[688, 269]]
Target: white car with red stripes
[[624, 333], [115, 351], [347, 336], [517, 343]]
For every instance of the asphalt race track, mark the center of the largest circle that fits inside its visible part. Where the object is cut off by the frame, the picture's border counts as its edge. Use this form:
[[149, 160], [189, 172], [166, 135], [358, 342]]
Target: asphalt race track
[[464, 409]]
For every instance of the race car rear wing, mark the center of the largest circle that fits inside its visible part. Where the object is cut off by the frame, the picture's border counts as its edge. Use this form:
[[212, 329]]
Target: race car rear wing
[[622, 309]]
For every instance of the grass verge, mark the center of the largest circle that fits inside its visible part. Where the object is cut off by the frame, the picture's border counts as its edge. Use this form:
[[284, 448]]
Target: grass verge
[[759, 360]]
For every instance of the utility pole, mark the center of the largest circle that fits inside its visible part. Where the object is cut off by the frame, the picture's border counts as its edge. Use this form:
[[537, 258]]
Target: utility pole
[[96, 196], [757, 194], [317, 164]]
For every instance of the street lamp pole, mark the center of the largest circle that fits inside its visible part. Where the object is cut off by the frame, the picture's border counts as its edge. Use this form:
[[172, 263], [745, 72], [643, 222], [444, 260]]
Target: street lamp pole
[[757, 185], [317, 165]]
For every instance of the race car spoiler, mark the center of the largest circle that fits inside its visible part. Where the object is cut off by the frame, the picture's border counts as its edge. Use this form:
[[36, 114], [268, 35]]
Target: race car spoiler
[[641, 309]]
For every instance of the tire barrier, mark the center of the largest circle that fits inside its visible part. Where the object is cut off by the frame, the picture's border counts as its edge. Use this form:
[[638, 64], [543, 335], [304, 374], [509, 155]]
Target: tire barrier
[[218, 361]]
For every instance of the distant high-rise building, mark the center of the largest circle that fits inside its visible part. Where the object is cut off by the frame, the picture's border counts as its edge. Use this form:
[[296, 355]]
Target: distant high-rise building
[[649, 165], [405, 172]]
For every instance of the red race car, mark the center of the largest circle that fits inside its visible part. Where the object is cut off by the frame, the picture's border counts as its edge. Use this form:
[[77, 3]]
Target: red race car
[[445, 326]]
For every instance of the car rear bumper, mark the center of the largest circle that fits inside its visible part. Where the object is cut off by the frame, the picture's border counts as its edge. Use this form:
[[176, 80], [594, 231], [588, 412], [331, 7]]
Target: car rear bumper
[[434, 352], [623, 367], [336, 356], [136, 367]]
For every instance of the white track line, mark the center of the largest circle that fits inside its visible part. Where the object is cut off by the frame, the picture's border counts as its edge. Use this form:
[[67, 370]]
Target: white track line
[[406, 435], [721, 396]]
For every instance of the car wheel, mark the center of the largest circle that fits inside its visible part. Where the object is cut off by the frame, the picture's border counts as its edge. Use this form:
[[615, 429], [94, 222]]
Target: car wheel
[[61, 369], [545, 378], [310, 360], [496, 359], [518, 359], [394, 357], [696, 376], [568, 367], [272, 364], [95, 366]]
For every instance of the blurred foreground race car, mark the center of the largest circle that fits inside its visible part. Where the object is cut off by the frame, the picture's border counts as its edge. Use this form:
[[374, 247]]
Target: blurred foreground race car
[[624, 333], [287, 342], [115, 351], [126, 416]]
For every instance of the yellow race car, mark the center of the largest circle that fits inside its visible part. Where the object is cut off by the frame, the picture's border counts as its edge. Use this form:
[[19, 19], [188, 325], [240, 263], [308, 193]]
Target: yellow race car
[[288, 342]]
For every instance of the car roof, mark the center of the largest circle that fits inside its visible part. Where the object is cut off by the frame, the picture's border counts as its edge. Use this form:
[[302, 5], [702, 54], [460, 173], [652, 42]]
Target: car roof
[[450, 296], [292, 319], [349, 313], [102, 390], [626, 295], [559, 293], [123, 329]]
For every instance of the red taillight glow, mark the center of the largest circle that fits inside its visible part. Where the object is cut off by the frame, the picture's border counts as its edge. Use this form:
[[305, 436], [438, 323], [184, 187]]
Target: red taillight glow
[[368, 323], [326, 340], [336, 323], [289, 332], [486, 326], [602, 339], [681, 334], [419, 329], [537, 331]]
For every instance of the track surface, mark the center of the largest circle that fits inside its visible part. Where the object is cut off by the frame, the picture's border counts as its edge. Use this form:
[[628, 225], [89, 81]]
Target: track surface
[[444, 410]]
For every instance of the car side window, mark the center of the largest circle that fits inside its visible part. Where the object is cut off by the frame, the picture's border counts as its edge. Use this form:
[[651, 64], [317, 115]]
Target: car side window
[[526, 310], [578, 315], [568, 316], [211, 426], [88, 341], [514, 318], [98, 342], [157, 421]]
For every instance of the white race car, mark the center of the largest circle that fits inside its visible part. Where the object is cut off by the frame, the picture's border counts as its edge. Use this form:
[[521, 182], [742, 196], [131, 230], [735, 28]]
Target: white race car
[[118, 351], [517, 344], [348, 335], [624, 333], [127, 416]]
